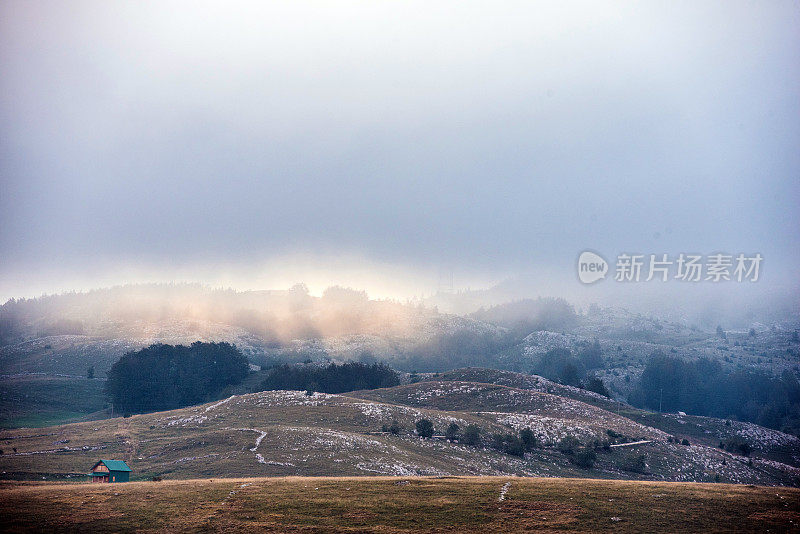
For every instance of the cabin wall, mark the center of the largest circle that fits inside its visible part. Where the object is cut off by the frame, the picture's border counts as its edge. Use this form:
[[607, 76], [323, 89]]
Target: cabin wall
[[119, 476]]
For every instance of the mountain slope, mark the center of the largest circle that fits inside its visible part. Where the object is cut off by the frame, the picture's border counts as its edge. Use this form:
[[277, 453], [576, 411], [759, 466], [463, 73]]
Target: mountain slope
[[487, 395], [522, 381], [709, 431], [290, 433]]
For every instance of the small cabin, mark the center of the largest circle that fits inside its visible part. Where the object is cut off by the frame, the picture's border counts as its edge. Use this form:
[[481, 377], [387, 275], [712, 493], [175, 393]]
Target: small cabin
[[110, 471]]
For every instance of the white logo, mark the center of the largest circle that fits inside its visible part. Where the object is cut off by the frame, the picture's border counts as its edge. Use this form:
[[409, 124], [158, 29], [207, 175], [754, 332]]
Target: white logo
[[591, 267], [690, 268]]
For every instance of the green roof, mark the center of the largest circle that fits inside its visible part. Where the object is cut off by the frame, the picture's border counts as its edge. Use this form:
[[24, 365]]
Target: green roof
[[116, 465]]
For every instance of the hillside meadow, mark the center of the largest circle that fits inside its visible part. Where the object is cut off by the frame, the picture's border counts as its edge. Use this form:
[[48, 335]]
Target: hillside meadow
[[392, 504], [290, 433]]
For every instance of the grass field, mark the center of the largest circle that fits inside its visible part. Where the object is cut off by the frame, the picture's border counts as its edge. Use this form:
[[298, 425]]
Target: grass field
[[288, 433], [391, 504], [39, 400]]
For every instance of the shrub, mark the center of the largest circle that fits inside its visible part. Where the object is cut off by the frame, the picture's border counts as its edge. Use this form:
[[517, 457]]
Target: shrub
[[452, 432], [739, 446], [394, 428], [596, 385], [584, 457], [514, 446], [685, 441], [637, 464], [424, 428], [509, 444], [528, 438], [568, 445], [498, 441], [471, 436]]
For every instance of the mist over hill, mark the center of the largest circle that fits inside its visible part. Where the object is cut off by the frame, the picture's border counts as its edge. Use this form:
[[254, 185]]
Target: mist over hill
[[275, 316], [284, 433], [59, 340]]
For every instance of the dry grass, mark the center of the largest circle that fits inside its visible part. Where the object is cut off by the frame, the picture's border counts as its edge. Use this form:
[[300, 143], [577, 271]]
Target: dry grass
[[332, 435], [389, 504]]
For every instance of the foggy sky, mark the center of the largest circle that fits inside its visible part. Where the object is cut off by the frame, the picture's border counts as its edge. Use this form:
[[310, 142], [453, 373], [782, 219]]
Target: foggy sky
[[379, 144]]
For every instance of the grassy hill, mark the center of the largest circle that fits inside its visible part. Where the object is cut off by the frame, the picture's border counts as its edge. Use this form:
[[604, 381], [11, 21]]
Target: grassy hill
[[42, 400], [282, 433], [708, 431], [48, 344], [522, 381], [408, 505]]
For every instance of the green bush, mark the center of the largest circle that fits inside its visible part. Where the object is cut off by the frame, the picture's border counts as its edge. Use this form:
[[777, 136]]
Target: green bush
[[471, 436], [394, 428], [568, 445], [424, 428], [584, 457], [637, 464], [452, 432], [528, 438], [738, 445], [596, 385], [514, 446], [509, 444]]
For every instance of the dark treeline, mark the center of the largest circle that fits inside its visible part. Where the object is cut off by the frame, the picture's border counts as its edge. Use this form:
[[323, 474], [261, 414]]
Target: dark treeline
[[467, 347], [164, 377], [704, 387], [331, 378], [561, 365], [9, 329], [529, 315], [453, 350]]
